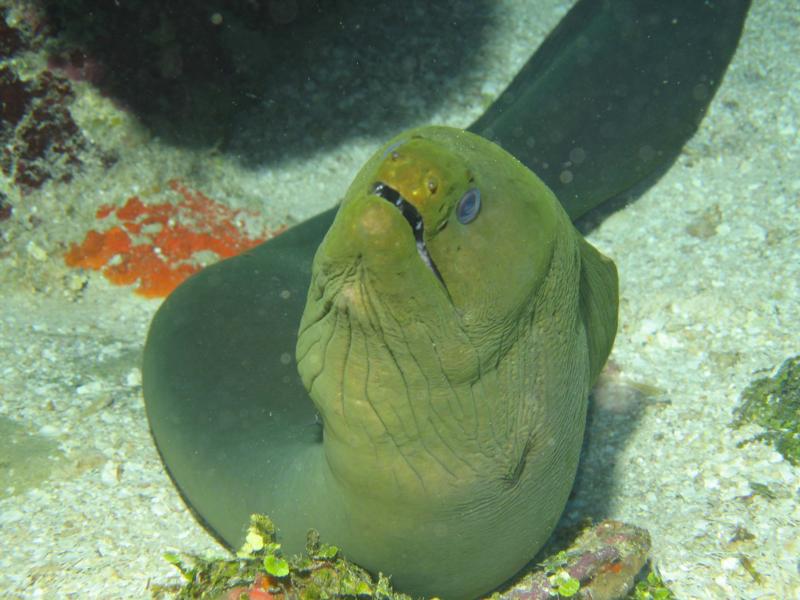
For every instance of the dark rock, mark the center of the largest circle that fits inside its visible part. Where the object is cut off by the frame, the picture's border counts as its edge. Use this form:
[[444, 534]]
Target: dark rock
[[10, 39], [40, 139], [6, 209]]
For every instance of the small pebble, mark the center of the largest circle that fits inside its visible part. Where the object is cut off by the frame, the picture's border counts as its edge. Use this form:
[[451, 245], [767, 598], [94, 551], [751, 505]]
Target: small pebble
[[36, 251], [133, 378], [89, 388], [108, 474], [730, 563]]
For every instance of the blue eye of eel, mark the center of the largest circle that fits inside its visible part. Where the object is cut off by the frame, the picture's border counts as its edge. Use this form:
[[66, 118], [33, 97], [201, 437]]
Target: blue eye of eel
[[469, 206]]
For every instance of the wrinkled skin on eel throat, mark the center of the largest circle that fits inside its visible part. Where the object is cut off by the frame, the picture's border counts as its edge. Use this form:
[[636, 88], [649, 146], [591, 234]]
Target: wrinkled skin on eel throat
[[451, 361]]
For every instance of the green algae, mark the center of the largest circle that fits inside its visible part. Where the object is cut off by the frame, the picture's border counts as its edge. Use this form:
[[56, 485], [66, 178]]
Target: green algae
[[651, 587], [602, 562], [774, 404], [259, 567]]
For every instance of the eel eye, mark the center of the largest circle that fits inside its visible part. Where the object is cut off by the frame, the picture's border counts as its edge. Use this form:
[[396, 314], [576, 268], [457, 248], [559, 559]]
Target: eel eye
[[469, 206]]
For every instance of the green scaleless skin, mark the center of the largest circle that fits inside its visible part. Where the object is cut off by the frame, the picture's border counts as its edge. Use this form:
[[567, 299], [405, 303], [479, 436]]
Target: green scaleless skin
[[434, 428], [453, 410]]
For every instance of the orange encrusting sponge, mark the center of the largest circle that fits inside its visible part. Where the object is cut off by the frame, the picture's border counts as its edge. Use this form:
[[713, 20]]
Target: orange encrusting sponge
[[155, 244]]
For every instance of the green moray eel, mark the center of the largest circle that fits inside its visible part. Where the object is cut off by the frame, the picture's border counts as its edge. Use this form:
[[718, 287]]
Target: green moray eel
[[453, 327], [419, 394]]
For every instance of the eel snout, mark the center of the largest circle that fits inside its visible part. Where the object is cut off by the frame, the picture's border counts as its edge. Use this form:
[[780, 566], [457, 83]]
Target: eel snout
[[414, 218]]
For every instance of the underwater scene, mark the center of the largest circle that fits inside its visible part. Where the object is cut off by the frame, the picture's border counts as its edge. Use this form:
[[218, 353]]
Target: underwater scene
[[463, 299]]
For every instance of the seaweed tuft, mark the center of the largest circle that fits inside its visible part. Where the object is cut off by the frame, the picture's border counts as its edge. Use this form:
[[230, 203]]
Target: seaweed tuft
[[774, 404]]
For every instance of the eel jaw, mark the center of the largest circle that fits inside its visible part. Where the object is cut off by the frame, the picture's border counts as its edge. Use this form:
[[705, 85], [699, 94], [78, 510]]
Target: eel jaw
[[411, 214]]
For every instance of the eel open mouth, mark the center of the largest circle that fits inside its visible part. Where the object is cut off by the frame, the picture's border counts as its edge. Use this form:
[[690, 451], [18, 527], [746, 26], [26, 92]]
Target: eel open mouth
[[414, 219]]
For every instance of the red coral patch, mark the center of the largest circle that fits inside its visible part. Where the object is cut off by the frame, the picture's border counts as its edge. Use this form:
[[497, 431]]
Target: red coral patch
[[156, 244]]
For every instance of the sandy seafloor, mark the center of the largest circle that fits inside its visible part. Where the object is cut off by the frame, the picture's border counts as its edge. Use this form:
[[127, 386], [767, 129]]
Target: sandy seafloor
[[709, 262]]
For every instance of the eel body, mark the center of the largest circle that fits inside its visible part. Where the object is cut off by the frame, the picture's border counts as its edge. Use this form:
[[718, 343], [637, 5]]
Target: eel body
[[419, 395], [449, 359], [607, 102]]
